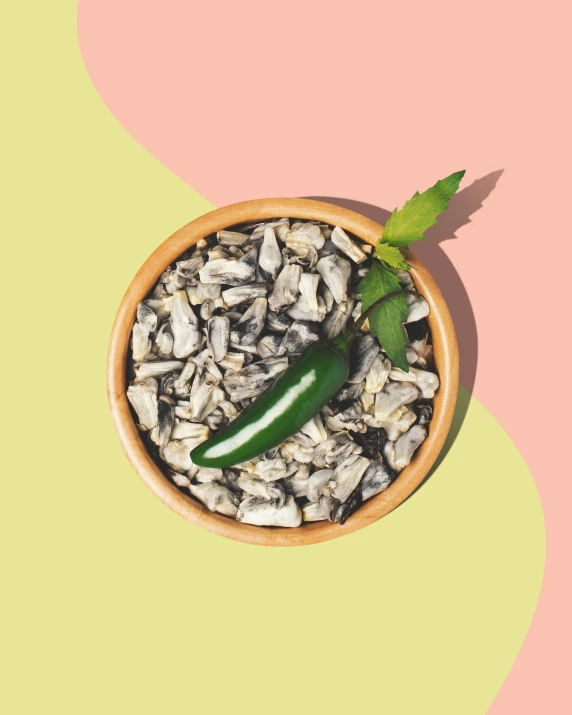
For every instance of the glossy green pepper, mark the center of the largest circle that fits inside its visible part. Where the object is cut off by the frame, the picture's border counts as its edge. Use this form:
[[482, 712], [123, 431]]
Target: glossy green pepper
[[287, 405], [296, 396]]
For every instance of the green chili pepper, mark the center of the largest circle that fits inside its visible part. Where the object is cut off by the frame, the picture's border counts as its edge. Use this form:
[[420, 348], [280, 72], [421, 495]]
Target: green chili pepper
[[296, 396]]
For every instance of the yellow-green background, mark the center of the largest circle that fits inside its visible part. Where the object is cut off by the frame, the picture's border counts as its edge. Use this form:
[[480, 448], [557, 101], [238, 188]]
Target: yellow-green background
[[113, 604]]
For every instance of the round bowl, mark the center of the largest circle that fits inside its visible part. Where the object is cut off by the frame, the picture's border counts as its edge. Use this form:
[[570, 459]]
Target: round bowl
[[445, 355]]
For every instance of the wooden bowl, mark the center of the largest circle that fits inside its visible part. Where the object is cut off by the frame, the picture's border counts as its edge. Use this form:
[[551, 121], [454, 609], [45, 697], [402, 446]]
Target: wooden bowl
[[445, 353]]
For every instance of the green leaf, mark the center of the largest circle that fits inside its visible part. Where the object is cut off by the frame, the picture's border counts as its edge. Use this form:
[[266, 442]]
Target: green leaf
[[386, 324], [391, 255], [408, 224], [386, 321], [379, 281]]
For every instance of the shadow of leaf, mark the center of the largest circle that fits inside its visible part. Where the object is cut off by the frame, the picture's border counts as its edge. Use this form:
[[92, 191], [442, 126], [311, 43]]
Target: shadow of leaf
[[458, 214]]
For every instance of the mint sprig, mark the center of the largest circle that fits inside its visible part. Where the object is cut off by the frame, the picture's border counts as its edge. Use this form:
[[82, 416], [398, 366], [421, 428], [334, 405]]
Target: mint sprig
[[403, 227]]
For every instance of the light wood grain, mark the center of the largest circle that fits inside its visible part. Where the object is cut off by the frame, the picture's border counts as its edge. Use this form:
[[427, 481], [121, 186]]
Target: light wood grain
[[446, 362]]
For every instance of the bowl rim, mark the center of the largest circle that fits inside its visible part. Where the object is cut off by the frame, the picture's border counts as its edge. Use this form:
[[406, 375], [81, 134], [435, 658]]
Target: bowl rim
[[446, 357]]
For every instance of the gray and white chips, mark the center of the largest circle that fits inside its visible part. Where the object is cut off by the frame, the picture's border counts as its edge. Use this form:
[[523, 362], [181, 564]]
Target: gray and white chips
[[224, 322]]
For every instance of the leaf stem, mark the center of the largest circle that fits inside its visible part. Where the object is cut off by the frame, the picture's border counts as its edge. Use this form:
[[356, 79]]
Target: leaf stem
[[343, 341]]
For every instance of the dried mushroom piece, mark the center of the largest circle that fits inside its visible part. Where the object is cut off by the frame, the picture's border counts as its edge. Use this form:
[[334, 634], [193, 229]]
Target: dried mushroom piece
[[308, 287], [246, 331], [218, 336], [376, 479], [185, 327], [232, 238], [407, 444], [393, 396], [157, 367], [143, 398], [336, 273], [341, 240], [313, 512], [263, 513], [177, 453], [145, 324], [337, 319], [298, 336], [229, 271], [316, 483], [244, 294], [269, 257], [347, 476], [216, 498], [254, 379], [363, 352], [285, 289], [302, 311]]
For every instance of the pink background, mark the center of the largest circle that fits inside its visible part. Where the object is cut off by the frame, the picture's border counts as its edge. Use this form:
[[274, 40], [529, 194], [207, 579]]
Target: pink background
[[354, 102]]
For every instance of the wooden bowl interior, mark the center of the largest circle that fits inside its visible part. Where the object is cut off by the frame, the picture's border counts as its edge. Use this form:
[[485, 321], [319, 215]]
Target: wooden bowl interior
[[445, 354]]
